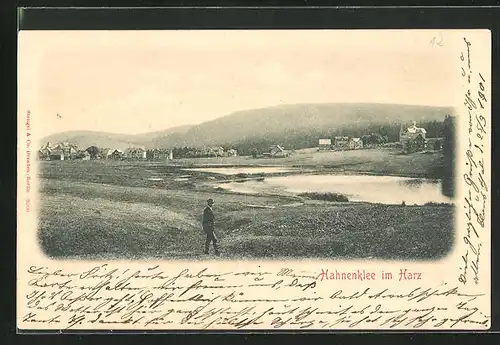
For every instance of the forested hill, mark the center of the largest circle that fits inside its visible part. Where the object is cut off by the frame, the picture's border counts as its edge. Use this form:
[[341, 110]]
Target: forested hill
[[294, 126], [301, 125]]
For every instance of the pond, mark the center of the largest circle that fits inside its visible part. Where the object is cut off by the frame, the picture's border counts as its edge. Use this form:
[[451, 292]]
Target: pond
[[244, 170], [365, 188]]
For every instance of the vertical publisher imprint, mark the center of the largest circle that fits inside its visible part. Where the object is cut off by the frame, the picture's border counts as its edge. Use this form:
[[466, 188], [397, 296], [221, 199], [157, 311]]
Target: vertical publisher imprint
[[28, 161]]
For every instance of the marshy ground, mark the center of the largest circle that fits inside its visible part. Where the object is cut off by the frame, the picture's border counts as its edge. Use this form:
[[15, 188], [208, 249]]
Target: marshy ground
[[139, 210]]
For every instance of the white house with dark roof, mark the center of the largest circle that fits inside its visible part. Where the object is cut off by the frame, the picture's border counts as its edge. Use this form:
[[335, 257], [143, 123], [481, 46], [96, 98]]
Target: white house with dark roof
[[412, 135], [324, 144], [411, 132], [355, 143]]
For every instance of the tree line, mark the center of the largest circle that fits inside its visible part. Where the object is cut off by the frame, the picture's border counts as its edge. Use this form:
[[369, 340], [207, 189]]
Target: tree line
[[372, 134], [449, 152]]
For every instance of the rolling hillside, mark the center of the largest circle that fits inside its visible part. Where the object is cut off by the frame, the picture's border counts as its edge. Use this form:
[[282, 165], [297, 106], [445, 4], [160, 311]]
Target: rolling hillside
[[85, 139], [275, 123]]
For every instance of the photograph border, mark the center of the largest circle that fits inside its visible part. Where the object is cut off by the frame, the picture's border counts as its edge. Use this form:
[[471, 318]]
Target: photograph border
[[277, 18]]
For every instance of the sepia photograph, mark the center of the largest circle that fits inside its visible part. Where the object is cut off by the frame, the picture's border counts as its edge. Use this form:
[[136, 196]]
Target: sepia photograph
[[243, 145], [254, 179]]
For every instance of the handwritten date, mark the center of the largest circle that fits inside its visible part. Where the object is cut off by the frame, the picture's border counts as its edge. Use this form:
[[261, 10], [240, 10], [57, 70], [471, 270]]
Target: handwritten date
[[474, 178]]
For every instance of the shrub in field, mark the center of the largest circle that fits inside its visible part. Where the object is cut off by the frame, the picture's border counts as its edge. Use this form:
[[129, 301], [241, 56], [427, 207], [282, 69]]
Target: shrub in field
[[432, 203], [325, 196]]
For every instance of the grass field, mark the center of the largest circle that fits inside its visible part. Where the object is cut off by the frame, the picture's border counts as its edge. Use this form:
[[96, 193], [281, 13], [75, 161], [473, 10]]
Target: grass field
[[379, 161], [112, 210]]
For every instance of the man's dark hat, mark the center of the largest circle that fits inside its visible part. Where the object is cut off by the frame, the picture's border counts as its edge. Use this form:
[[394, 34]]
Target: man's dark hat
[[210, 201]]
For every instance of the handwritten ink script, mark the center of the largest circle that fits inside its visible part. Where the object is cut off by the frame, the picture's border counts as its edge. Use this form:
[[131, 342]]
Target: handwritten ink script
[[107, 297], [476, 195]]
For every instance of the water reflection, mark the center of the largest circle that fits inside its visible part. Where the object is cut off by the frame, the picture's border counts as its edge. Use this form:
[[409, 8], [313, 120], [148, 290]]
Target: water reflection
[[249, 170], [374, 189]]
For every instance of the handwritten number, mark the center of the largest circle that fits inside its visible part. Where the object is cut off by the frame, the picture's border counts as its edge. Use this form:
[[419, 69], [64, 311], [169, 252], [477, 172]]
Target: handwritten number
[[437, 40], [481, 123], [462, 279], [480, 103], [482, 96]]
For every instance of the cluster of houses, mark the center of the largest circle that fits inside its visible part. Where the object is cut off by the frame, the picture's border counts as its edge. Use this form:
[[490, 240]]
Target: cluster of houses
[[67, 151], [341, 143], [136, 153], [61, 151], [216, 151], [411, 139]]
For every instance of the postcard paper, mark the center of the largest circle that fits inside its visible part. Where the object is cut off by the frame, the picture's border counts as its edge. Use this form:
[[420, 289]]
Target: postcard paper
[[254, 180]]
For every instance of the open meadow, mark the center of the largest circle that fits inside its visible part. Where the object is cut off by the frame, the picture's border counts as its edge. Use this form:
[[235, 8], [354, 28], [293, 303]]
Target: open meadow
[[383, 161], [139, 210]]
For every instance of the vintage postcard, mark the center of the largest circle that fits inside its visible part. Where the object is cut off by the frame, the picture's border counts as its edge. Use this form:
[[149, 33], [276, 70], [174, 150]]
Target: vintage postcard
[[254, 180]]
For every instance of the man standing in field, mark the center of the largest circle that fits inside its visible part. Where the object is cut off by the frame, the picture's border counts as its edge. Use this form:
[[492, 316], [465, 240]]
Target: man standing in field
[[208, 227]]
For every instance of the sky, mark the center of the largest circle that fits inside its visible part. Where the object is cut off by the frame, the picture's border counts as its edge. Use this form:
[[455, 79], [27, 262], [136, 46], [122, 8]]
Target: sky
[[141, 81]]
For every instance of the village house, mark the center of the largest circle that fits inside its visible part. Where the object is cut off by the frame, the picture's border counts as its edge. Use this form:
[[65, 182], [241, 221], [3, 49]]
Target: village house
[[231, 153], [417, 144], [325, 144], [355, 143], [104, 153], [69, 150], [159, 154], [61, 151], [116, 154], [413, 138], [44, 154], [83, 155], [135, 153], [435, 144], [151, 154], [216, 151], [277, 151], [56, 155], [341, 142]]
